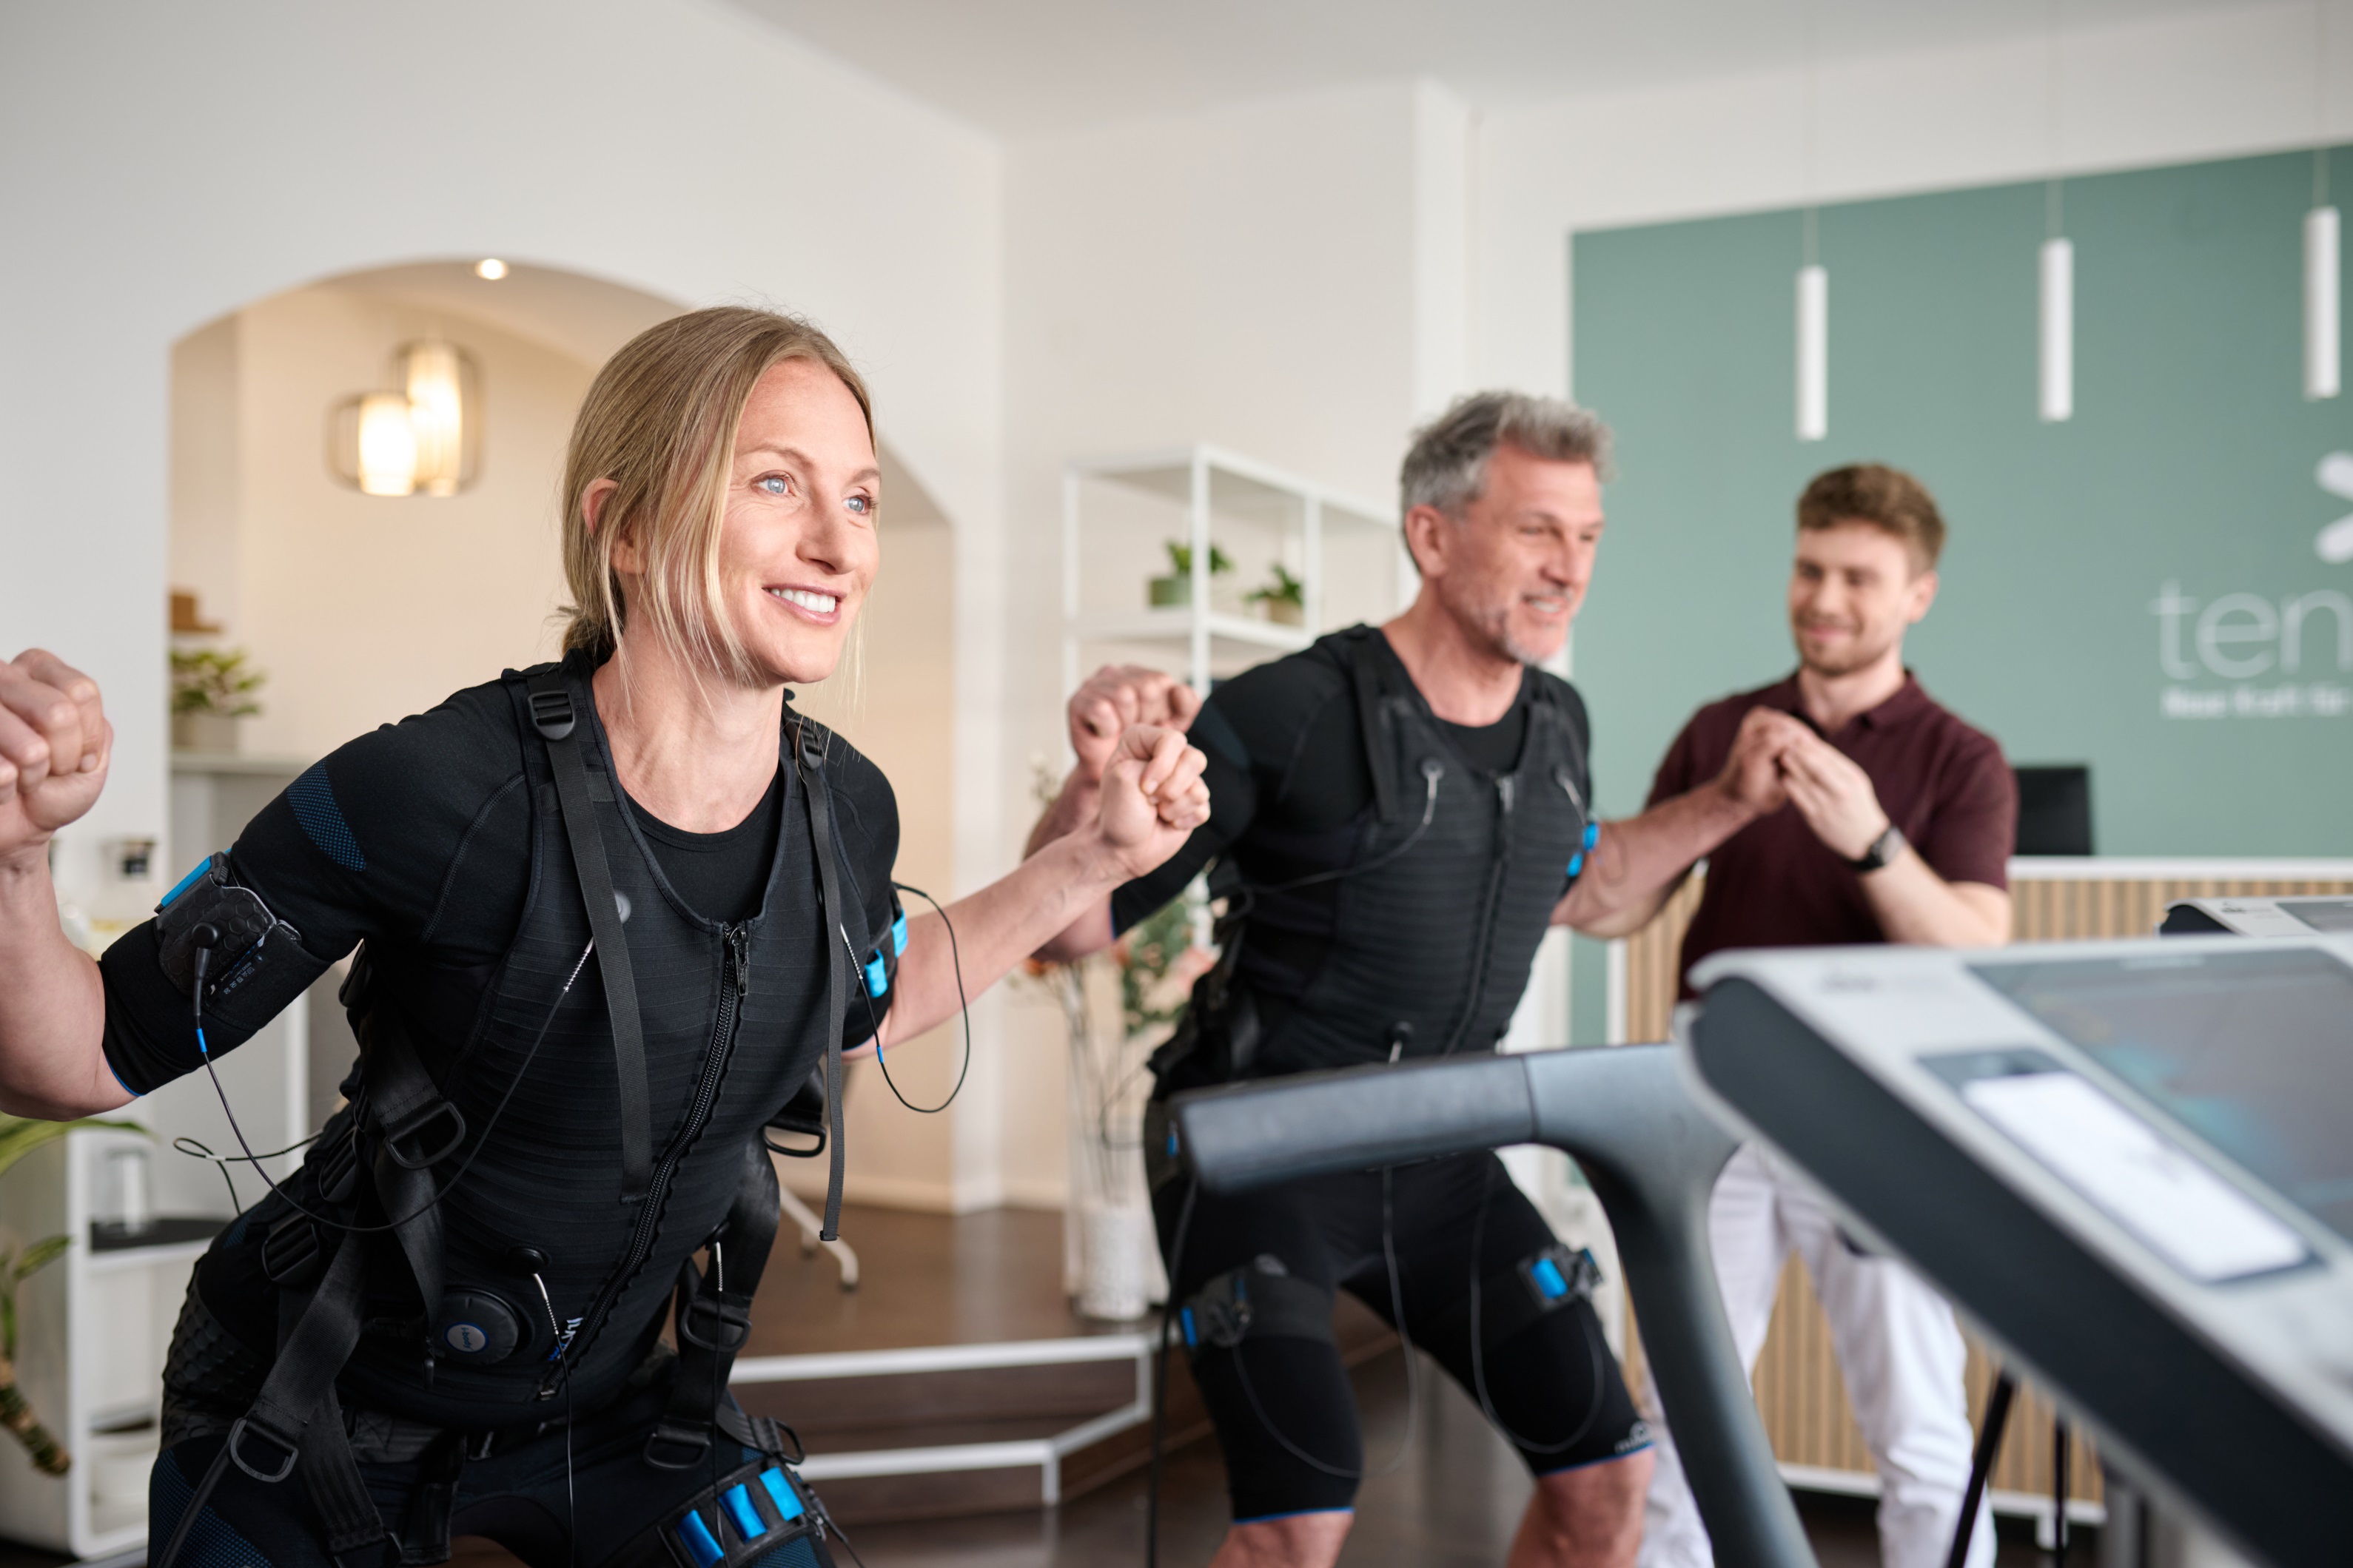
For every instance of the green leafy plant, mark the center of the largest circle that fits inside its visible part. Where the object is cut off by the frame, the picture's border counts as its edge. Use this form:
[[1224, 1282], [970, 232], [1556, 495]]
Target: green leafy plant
[[1180, 556], [1147, 954], [205, 682], [19, 1136], [1285, 589]]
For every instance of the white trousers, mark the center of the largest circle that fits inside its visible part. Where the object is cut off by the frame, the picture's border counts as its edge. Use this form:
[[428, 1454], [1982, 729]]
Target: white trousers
[[1897, 1346]]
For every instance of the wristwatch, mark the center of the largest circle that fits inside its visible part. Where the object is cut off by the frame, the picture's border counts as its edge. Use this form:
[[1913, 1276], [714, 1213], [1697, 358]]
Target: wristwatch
[[1884, 849]]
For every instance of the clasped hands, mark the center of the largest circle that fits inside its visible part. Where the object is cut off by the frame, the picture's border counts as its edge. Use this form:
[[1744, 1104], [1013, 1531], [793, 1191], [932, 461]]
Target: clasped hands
[[1776, 760], [1127, 725]]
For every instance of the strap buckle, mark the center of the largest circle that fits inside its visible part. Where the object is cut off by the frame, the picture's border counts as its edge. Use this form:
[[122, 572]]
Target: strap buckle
[[338, 1166], [668, 1439], [811, 745], [244, 1427], [413, 1125], [707, 1322], [552, 714], [290, 1253]]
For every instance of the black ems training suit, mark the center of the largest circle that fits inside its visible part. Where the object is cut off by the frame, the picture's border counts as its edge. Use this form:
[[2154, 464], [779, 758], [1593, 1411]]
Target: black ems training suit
[[1390, 876], [461, 1335]]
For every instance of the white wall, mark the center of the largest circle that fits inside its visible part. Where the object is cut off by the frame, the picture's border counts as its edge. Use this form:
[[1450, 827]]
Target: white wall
[[1285, 278], [2208, 84]]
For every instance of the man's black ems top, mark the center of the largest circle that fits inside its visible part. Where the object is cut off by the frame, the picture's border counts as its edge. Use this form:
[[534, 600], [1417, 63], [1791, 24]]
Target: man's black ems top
[[418, 836], [1291, 796]]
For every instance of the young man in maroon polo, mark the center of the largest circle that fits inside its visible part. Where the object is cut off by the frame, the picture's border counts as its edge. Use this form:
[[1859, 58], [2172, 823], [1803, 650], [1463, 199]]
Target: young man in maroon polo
[[1892, 822]]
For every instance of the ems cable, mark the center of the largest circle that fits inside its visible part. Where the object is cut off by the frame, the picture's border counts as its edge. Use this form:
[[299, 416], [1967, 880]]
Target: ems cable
[[1432, 770], [1478, 1362], [196, 1149], [1160, 1386], [207, 937], [1405, 1338], [964, 1006]]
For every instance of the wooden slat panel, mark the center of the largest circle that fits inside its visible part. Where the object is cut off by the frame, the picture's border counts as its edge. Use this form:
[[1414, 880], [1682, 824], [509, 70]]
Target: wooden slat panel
[[1799, 1390], [1803, 1401], [1654, 964]]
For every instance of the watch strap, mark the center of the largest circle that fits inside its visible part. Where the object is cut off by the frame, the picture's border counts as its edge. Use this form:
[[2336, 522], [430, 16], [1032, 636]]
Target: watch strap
[[1884, 849]]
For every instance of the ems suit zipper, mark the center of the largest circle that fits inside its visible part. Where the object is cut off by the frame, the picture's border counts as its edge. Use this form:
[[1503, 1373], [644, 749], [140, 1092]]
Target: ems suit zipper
[[737, 981], [1505, 787]]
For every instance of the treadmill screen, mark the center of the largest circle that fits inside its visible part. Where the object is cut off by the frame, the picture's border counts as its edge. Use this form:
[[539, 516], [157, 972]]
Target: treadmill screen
[[2253, 1051], [2322, 914]]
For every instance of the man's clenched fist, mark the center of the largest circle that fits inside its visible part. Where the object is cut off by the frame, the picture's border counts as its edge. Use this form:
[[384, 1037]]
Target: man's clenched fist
[[1118, 696]]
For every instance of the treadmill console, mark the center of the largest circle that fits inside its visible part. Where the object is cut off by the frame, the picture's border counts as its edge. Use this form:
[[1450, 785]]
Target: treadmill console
[[2131, 1162]]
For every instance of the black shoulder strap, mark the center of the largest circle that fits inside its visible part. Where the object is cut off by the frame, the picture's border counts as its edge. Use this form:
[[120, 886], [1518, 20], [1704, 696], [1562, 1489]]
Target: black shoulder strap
[[1364, 673], [557, 707], [1552, 704], [810, 759]]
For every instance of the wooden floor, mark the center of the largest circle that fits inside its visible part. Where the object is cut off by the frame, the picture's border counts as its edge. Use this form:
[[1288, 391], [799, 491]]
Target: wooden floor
[[928, 1280]]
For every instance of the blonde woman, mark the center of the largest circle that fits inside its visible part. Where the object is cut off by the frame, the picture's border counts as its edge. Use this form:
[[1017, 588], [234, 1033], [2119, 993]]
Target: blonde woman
[[612, 915]]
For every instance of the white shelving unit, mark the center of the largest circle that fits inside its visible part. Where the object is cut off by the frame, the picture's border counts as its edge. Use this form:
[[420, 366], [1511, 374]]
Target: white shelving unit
[[92, 1328], [1213, 496]]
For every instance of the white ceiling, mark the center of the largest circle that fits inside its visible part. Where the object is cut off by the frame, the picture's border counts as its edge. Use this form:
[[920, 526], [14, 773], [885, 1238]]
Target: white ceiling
[[1026, 66]]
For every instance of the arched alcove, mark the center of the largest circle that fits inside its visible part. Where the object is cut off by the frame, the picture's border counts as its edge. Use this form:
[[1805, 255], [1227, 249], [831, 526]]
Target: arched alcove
[[360, 609]]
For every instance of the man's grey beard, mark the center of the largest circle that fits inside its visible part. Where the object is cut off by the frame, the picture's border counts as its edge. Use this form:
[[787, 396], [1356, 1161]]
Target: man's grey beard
[[1495, 626]]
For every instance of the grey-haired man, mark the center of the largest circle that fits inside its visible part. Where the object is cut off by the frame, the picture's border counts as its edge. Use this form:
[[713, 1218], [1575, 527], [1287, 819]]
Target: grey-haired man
[[1396, 816]]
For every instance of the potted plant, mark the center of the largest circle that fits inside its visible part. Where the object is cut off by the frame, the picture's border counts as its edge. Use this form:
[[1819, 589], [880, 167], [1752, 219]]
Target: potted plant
[[210, 693], [1177, 587], [1283, 601]]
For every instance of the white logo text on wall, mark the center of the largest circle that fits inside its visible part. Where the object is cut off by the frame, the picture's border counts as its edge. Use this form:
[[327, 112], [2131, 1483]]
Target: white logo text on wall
[[2290, 658], [2259, 645]]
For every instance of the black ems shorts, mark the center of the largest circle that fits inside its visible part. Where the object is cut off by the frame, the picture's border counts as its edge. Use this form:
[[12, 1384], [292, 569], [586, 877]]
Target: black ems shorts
[[1284, 1413]]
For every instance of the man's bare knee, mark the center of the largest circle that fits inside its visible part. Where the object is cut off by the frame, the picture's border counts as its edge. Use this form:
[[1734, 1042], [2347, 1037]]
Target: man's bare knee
[[1590, 1515], [1294, 1540]]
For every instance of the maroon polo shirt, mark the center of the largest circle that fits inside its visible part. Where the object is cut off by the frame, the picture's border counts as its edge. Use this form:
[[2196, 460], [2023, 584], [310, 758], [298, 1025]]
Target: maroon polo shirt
[[1774, 884]]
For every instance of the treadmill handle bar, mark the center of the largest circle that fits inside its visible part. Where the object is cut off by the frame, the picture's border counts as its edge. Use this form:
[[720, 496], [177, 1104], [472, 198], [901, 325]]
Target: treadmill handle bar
[[1651, 1156]]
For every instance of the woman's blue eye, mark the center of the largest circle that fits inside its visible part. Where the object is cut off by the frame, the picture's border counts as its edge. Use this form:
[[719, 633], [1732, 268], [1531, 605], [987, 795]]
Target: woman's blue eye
[[775, 484], [862, 504]]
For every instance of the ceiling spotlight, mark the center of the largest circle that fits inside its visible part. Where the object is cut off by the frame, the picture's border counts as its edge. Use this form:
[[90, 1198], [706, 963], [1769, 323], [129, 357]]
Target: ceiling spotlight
[[490, 268]]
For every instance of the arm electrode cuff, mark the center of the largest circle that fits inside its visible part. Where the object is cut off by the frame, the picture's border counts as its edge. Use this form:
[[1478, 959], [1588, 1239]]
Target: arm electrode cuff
[[257, 965]]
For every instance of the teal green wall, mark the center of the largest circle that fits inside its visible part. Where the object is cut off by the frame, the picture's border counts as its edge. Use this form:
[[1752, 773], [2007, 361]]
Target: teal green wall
[[2190, 461]]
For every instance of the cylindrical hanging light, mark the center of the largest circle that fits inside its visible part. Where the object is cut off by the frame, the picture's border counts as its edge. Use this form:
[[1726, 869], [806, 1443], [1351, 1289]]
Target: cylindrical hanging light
[[2321, 325], [387, 445], [1813, 353], [2057, 358], [437, 409], [426, 436]]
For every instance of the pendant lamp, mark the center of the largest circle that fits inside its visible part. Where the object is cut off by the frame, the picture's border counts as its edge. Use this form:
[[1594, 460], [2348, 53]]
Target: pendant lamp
[[425, 438], [2056, 340], [1813, 353]]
